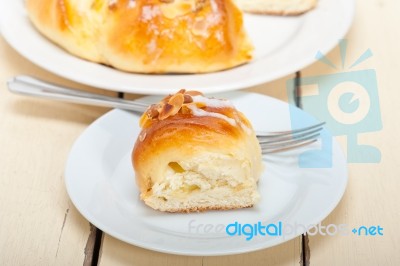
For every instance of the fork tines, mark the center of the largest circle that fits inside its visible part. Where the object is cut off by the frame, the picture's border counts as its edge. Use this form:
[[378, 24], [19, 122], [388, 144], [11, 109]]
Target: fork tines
[[286, 140]]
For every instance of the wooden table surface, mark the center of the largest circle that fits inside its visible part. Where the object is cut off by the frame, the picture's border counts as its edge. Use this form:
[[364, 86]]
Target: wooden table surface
[[40, 226]]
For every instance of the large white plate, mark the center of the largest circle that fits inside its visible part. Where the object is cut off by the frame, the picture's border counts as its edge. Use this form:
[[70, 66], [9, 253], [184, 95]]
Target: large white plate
[[283, 46], [101, 184]]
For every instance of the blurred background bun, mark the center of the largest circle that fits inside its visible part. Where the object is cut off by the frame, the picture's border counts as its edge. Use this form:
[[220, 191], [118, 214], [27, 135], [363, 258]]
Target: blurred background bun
[[147, 36]]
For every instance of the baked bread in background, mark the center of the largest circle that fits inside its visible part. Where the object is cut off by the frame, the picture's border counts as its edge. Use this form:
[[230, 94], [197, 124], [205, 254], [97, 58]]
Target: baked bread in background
[[195, 154], [276, 7], [147, 36]]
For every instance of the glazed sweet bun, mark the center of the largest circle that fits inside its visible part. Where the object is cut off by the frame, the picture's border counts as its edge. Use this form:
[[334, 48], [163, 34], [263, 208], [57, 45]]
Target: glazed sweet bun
[[147, 36], [196, 153]]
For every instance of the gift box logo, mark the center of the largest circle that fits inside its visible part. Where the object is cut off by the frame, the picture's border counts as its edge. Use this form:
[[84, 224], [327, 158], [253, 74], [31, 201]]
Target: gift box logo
[[348, 102]]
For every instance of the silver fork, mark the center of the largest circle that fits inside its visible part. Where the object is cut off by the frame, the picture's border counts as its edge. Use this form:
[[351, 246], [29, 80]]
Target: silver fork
[[270, 142]]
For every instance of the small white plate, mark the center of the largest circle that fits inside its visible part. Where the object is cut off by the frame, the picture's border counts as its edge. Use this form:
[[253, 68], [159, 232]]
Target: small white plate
[[100, 182], [283, 46]]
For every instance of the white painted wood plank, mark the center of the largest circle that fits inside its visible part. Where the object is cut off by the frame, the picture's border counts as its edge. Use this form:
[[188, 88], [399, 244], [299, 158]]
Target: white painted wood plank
[[372, 196], [38, 223]]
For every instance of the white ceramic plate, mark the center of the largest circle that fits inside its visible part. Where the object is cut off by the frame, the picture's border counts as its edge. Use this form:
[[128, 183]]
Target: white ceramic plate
[[283, 46], [101, 184]]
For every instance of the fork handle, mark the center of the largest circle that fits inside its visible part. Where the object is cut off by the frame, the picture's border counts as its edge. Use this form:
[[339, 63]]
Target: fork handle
[[34, 87]]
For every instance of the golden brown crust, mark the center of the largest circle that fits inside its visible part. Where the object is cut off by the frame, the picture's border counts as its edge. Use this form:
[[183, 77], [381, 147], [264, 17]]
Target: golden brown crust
[[200, 209], [148, 36], [278, 13], [60, 21]]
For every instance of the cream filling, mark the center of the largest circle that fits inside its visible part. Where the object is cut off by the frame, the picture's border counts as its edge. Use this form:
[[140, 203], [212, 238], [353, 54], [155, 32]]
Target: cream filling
[[204, 175]]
